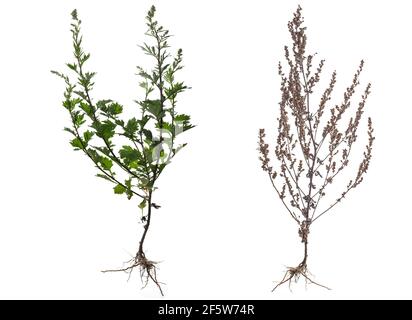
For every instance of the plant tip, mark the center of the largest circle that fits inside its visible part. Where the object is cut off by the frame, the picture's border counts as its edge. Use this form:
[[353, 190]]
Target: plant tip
[[74, 14]]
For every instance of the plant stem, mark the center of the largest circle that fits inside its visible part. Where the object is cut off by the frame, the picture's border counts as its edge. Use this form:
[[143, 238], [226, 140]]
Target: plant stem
[[146, 226], [305, 257], [315, 153]]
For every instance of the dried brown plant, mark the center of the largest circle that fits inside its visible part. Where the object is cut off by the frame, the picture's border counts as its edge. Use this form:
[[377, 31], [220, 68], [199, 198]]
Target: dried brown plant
[[312, 148]]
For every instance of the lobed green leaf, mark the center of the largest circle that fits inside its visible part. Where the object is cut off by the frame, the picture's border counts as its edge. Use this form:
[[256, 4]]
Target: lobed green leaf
[[119, 189]]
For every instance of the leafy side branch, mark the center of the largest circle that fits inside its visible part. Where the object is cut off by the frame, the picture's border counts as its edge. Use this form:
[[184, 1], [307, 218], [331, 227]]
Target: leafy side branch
[[130, 153], [312, 147]]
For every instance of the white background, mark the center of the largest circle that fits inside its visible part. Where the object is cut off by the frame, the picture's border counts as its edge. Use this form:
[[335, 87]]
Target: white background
[[221, 232]]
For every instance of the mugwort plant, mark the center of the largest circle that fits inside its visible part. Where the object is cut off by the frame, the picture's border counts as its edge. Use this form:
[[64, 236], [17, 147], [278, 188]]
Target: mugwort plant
[[314, 142], [129, 152]]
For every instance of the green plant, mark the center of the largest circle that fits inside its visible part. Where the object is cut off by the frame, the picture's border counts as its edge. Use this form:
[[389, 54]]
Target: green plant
[[311, 156], [129, 153]]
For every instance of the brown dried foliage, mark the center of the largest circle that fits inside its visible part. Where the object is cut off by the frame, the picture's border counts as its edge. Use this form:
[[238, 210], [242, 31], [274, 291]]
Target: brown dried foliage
[[310, 155]]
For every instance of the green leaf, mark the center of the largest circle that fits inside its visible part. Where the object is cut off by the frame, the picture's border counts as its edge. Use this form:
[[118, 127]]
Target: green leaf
[[129, 154], [109, 108], [86, 108], [76, 143], [103, 176], [87, 136], [144, 85], [131, 127], [119, 122], [115, 108], [187, 127], [149, 50], [106, 163], [105, 129], [148, 154], [182, 118], [129, 192], [146, 76], [174, 89], [93, 154], [101, 104], [148, 134], [103, 150], [142, 204], [86, 57], [165, 126], [69, 105], [154, 107], [183, 122], [119, 189], [134, 165], [169, 77], [69, 130], [143, 121], [81, 94], [78, 118], [72, 66]]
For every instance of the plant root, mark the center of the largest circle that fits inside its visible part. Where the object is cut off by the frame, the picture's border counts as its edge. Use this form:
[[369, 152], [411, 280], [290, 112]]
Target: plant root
[[294, 274], [147, 270]]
